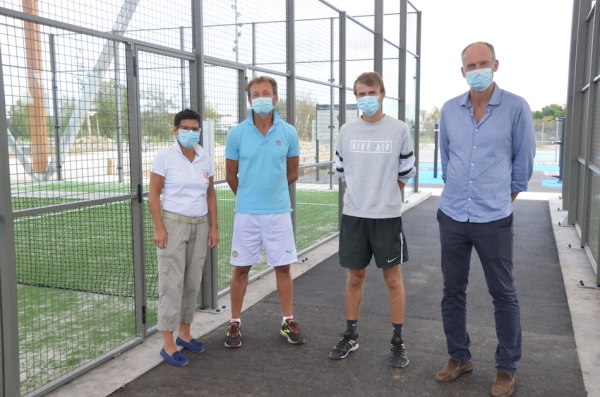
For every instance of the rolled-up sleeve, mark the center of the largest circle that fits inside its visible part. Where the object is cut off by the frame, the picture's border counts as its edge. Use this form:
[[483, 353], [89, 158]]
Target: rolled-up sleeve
[[523, 148], [444, 146]]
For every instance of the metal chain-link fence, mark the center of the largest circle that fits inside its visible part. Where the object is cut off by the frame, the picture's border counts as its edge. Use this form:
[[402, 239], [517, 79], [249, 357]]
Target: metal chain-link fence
[[89, 93]]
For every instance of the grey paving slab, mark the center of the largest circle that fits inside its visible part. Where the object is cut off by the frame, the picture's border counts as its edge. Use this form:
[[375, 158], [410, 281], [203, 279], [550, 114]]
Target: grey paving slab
[[267, 365]]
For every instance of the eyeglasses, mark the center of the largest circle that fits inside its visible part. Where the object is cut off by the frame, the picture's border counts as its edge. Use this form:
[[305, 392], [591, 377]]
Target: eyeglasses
[[196, 129]]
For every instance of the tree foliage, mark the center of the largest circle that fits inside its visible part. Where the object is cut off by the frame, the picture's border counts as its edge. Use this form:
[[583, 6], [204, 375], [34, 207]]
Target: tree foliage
[[549, 112], [18, 120], [429, 119], [105, 108], [306, 112], [157, 113], [212, 114]]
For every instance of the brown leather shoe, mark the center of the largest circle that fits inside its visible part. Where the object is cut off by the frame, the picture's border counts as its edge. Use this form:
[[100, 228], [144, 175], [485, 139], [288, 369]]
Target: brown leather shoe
[[504, 385], [453, 370]]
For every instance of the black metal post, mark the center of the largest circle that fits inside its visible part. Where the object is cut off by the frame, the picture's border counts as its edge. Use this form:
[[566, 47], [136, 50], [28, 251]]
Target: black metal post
[[436, 130], [560, 149], [52, 46]]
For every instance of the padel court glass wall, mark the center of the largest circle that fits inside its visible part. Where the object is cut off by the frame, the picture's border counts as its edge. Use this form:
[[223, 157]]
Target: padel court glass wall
[[581, 161], [88, 92]]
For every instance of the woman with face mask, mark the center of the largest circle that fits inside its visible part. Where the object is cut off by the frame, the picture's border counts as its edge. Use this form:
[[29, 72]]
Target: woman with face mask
[[185, 225]]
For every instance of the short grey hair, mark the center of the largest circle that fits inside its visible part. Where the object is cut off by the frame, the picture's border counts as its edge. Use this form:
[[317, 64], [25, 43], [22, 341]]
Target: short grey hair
[[491, 47]]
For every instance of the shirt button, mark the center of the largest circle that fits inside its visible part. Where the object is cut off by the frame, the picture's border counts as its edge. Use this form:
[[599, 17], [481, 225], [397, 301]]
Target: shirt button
[[471, 165], [474, 147], [476, 129], [470, 181], [469, 199]]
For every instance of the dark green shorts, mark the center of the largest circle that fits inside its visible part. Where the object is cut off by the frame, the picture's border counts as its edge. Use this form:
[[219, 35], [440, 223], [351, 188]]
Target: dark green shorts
[[363, 238]]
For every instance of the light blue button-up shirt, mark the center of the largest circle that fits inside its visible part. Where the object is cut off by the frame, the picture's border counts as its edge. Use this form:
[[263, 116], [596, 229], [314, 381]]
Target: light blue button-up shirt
[[483, 163]]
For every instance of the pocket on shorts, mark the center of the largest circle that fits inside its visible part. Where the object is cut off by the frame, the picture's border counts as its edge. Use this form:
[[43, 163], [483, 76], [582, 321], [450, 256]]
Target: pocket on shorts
[[164, 274]]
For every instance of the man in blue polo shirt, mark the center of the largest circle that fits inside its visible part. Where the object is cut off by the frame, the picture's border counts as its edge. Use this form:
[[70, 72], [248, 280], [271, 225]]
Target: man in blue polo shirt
[[487, 144], [262, 157]]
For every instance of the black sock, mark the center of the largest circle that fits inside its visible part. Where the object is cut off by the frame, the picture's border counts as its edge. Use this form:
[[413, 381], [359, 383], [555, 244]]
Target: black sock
[[351, 326], [397, 331]]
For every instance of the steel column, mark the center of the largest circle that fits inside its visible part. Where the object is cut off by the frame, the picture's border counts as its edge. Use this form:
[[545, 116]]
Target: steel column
[[137, 203], [243, 96], [119, 125], [342, 101], [378, 54], [183, 62], [568, 144], [9, 331], [332, 107], [587, 135], [209, 297], [291, 86], [575, 108], [402, 62], [51, 45], [418, 101]]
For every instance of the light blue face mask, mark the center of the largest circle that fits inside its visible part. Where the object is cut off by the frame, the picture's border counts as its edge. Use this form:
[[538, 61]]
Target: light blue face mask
[[369, 104], [480, 79], [188, 138], [262, 105]]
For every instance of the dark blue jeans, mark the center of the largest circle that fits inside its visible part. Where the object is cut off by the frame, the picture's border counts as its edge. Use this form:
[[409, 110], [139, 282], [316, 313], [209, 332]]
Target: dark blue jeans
[[493, 242]]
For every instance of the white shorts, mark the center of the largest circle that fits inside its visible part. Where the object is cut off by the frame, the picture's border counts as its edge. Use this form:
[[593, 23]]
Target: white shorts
[[252, 231]]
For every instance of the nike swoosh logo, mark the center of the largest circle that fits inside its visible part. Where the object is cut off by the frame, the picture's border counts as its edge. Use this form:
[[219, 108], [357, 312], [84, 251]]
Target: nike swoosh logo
[[391, 260]]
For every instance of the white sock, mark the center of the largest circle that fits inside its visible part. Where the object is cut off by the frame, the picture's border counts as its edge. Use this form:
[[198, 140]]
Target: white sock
[[233, 320], [287, 317]]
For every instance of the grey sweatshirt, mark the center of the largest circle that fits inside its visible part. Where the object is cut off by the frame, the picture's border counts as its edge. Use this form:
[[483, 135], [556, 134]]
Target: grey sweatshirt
[[371, 158]]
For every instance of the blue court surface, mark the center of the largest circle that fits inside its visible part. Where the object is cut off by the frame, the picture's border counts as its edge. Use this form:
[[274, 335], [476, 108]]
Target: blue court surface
[[552, 183], [426, 174]]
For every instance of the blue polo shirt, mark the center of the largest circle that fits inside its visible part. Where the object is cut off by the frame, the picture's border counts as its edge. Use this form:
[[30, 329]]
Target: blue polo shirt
[[483, 163], [262, 165]]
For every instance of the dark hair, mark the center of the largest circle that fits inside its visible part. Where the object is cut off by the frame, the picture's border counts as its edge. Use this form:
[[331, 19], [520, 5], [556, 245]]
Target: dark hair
[[491, 47], [186, 114], [262, 79], [371, 79]]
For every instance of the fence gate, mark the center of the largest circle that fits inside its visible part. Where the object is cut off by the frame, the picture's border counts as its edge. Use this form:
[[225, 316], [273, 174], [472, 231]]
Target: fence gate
[[73, 198], [162, 84]]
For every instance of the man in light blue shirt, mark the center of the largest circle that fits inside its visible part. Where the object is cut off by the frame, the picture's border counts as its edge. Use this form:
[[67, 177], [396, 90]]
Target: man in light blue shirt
[[262, 159], [487, 145]]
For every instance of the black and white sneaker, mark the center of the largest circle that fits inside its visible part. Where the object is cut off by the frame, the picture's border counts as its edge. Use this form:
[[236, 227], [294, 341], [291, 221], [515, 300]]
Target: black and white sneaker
[[398, 356], [346, 345]]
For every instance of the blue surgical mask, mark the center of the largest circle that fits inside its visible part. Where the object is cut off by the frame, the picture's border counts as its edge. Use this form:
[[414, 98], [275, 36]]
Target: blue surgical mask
[[480, 79], [188, 138], [262, 105], [369, 104]]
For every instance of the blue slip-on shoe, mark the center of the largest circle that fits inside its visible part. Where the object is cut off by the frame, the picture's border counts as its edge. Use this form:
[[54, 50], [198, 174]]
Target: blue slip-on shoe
[[193, 345], [177, 359]]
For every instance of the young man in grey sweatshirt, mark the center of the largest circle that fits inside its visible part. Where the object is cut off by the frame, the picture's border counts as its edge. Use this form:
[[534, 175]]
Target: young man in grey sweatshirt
[[374, 159]]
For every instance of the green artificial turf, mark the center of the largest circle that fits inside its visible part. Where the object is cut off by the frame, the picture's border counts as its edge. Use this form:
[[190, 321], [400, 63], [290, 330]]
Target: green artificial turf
[[75, 269]]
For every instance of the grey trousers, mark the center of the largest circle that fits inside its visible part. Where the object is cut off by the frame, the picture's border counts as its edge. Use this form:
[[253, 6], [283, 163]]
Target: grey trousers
[[180, 266]]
